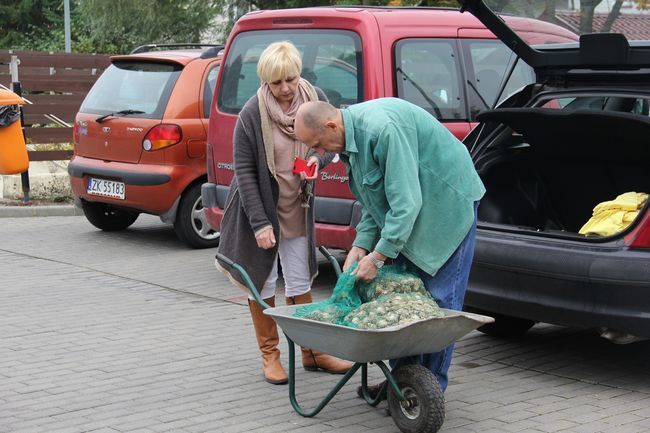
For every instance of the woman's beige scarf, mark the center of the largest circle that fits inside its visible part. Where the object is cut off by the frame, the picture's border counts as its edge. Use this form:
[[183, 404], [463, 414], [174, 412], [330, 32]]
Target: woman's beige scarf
[[270, 111]]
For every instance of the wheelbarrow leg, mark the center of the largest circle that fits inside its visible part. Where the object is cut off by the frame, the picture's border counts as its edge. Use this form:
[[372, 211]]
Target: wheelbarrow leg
[[328, 397]]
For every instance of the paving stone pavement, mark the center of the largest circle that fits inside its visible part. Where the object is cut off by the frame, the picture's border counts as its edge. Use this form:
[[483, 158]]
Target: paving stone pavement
[[133, 332]]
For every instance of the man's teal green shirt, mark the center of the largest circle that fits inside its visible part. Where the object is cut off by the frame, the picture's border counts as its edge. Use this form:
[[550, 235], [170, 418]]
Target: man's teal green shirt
[[415, 180]]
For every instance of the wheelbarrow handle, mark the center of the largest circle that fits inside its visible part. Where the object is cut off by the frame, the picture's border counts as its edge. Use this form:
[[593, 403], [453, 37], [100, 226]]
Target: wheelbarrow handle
[[225, 259], [247, 279], [324, 251]]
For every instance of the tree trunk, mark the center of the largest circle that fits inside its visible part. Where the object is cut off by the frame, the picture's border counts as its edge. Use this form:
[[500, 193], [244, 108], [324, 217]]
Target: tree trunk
[[549, 12], [498, 5], [587, 8]]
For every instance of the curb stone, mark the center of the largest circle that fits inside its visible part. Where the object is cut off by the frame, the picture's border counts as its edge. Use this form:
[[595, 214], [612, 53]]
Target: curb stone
[[39, 211]]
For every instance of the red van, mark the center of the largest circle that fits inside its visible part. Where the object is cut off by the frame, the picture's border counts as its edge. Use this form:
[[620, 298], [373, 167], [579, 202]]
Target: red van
[[442, 60]]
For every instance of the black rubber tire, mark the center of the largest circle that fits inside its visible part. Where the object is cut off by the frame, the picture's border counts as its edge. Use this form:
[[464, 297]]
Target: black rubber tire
[[420, 386], [504, 326], [191, 226], [108, 218]]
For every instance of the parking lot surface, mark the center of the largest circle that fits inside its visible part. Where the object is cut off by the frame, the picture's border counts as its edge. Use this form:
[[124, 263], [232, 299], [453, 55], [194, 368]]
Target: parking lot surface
[[134, 332]]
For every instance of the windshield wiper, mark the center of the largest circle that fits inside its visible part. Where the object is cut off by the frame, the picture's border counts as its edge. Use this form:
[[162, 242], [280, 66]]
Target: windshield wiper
[[419, 88], [100, 119]]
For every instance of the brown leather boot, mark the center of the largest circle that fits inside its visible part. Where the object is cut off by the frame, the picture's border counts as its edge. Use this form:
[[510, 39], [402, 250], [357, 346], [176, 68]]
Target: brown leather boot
[[266, 332], [313, 360], [373, 391]]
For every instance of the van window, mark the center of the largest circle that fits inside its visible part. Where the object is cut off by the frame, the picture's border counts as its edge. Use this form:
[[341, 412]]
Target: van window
[[129, 85], [331, 61], [208, 90], [428, 75], [488, 63]]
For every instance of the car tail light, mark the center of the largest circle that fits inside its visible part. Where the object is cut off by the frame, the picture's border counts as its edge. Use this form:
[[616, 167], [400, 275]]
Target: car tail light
[[75, 133], [640, 236], [209, 160], [161, 136]]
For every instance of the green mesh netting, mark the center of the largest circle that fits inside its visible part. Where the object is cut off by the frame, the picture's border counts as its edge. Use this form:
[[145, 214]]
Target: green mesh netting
[[395, 297]]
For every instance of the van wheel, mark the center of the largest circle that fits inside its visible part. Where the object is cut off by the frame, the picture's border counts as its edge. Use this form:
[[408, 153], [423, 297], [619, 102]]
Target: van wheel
[[108, 218], [191, 226]]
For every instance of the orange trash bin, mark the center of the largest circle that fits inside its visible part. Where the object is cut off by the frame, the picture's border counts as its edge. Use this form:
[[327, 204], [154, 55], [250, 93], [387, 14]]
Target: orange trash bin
[[13, 152]]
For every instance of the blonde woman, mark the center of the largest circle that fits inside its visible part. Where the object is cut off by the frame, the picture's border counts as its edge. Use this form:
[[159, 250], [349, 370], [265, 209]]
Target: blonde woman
[[269, 215]]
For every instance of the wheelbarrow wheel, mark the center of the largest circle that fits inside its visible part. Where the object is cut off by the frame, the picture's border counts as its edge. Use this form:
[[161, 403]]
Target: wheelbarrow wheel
[[423, 411]]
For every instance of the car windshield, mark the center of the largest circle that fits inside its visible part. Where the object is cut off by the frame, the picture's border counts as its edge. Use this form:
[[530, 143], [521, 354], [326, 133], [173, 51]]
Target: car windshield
[[628, 17], [133, 85]]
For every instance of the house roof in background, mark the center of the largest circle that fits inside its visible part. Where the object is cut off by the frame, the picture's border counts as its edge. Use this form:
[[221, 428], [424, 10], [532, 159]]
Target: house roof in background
[[634, 27]]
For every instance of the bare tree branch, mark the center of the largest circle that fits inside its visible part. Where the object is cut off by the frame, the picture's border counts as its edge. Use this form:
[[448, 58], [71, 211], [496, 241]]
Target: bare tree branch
[[616, 11]]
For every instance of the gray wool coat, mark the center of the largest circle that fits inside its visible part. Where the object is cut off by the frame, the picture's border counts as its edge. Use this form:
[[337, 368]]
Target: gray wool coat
[[252, 202]]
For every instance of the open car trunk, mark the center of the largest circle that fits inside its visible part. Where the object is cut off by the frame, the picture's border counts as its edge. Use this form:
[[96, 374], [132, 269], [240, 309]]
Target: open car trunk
[[548, 168]]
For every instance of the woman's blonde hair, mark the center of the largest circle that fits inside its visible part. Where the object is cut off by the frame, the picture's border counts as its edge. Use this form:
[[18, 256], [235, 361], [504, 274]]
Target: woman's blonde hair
[[279, 61]]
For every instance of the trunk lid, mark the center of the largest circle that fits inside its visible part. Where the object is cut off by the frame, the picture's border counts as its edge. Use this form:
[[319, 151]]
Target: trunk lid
[[598, 51], [117, 140]]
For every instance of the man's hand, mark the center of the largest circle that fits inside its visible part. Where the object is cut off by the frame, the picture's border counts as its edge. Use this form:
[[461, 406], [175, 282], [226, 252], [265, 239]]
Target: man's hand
[[354, 255], [266, 239], [311, 161], [366, 269]]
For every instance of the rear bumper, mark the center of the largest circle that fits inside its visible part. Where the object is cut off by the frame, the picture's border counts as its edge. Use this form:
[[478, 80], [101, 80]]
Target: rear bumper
[[567, 283], [78, 169], [335, 236], [149, 188], [330, 235], [212, 203]]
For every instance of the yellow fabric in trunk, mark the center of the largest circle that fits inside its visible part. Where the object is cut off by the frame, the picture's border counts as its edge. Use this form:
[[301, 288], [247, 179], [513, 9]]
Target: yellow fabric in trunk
[[610, 217]]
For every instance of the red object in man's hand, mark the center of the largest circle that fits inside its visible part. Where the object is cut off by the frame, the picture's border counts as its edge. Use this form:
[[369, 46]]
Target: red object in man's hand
[[300, 165]]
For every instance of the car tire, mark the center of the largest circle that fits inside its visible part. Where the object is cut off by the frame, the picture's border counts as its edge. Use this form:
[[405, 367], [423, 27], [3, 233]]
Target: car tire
[[191, 226], [108, 218], [504, 326]]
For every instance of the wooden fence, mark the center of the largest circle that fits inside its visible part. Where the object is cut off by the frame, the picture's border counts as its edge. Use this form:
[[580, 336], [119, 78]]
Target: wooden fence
[[56, 84]]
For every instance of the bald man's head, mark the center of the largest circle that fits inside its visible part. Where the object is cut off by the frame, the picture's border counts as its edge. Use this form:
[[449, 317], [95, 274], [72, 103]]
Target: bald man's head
[[314, 114], [320, 126]]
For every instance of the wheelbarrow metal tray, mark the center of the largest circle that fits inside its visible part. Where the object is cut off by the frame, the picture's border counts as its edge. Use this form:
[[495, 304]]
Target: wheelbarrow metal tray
[[370, 345]]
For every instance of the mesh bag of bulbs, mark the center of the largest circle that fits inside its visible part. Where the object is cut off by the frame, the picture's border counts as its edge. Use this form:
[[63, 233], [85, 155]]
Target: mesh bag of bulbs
[[395, 297]]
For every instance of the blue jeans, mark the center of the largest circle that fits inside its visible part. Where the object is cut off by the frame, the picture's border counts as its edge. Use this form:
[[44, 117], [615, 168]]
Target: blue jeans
[[448, 288]]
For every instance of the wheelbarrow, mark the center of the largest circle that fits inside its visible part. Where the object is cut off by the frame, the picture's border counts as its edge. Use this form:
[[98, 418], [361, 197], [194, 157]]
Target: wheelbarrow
[[415, 399]]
